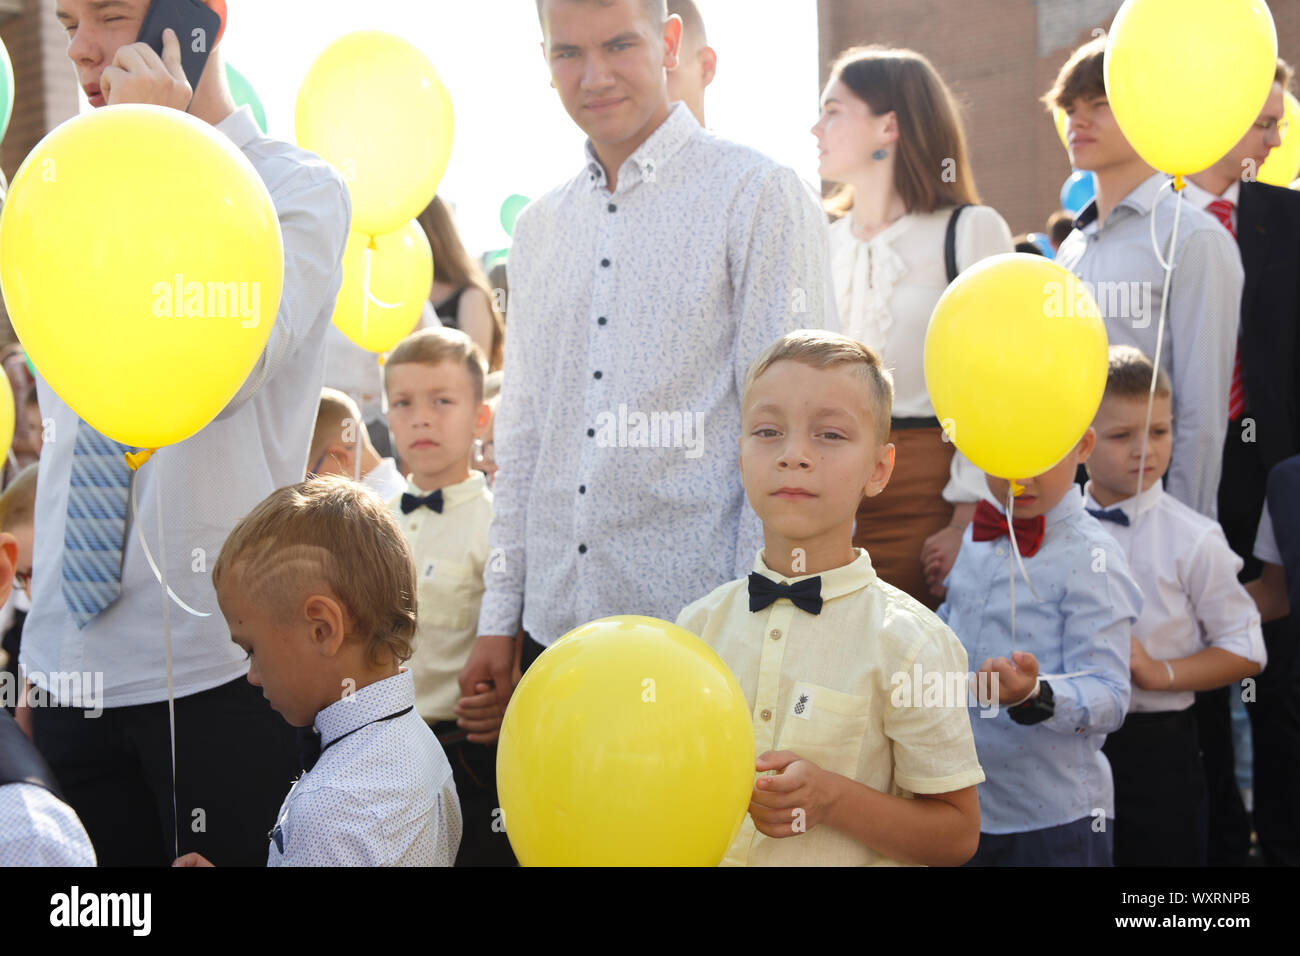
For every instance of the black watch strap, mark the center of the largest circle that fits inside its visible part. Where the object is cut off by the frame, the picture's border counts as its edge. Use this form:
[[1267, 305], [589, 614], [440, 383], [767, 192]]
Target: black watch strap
[[1037, 710]]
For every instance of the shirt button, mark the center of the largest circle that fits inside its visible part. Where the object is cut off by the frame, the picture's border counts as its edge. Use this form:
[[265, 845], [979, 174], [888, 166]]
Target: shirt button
[[582, 549], [613, 208], [602, 320], [775, 634], [591, 433], [597, 374], [582, 489], [605, 263], [766, 715]]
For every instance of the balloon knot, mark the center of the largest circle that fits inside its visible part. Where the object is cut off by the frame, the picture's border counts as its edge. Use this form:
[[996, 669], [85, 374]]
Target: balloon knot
[[1178, 183], [1016, 488], [381, 357], [134, 459]]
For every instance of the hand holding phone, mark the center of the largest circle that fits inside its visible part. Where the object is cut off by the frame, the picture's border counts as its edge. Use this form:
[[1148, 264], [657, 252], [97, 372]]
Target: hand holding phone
[[138, 75]]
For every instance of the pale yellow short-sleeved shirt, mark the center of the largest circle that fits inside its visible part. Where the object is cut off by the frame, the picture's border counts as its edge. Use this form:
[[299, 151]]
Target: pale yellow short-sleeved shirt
[[450, 549], [829, 688]]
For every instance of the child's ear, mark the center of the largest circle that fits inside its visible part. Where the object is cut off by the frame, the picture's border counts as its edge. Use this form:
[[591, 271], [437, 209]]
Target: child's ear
[[327, 621], [8, 562], [1086, 444], [881, 471], [482, 419]]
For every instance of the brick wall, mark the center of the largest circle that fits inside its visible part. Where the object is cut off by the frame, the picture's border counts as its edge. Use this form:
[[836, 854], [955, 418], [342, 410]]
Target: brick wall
[[999, 56]]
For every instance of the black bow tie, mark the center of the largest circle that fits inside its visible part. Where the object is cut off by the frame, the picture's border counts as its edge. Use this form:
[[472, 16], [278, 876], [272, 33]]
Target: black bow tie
[[805, 595], [432, 500], [1116, 515]]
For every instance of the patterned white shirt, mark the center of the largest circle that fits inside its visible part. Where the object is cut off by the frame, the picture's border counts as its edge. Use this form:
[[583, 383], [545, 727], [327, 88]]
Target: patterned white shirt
[[39, 829], [381, 793], [634, 316], [258, 443]]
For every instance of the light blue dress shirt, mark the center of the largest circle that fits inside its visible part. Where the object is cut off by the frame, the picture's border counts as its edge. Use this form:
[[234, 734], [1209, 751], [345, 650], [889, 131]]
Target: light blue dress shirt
[[634, 316], [1052, 772]]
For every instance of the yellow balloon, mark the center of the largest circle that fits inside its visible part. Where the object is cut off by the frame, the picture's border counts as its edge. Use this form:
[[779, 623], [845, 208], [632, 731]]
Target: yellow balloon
[[1015, 363], [1283, 163], [1186, 78], [142, 265], [379, 315], [1058, 118], [373, 105], [627, 743]]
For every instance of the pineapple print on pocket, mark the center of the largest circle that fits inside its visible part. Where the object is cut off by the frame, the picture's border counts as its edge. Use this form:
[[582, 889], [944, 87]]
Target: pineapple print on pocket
[[826, 726]]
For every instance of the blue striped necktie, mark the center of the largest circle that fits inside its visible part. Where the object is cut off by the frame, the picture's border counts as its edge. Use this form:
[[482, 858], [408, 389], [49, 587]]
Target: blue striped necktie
[[95, 531]]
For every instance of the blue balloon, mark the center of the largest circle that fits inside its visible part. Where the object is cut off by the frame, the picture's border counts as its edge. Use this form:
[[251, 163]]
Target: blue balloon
[[1043, 242], [1078, 191]]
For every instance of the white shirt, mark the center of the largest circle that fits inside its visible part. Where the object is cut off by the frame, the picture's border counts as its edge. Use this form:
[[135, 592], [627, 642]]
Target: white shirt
[[1191, 597], [258, 443], [385, 480], [616, 438], [381, 793], [39, 829], [1201, 198], [450, 549]]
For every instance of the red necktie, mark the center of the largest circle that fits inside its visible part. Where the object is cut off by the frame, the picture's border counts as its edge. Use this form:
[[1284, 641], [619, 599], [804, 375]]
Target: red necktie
[[991, 524], [1221, 209]]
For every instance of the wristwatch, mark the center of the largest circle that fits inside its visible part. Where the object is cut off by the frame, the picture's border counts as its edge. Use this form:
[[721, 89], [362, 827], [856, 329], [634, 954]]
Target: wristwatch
[[1036, 710]]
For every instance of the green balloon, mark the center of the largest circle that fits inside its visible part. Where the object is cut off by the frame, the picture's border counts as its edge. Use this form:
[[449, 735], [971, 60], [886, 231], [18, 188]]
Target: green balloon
[[6, 90], [245, 95], [510, 210], [30, 367]]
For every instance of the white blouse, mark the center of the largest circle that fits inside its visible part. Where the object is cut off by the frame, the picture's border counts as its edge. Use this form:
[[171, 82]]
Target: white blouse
[[886, 289]]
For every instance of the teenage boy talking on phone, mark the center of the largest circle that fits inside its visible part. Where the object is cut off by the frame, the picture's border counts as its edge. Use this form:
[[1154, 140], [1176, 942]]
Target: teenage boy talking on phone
[[234, 755]]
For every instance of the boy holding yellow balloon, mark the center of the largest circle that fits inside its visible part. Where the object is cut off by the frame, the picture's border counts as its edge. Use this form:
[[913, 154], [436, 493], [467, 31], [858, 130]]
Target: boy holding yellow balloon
[[850, 774]]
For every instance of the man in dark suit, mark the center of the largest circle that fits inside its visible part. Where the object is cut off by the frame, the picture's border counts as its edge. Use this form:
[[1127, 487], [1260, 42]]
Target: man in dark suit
[[1264, 429]]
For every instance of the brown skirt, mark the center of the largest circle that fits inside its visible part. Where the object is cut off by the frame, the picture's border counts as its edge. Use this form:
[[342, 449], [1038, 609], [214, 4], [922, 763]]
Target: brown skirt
[[894, 524]]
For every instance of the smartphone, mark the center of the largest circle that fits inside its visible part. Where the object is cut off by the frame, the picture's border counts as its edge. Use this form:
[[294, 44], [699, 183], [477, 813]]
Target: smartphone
[[196, 25]]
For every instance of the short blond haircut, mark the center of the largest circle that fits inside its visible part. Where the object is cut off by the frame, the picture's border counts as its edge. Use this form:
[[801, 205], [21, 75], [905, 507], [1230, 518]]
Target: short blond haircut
[[824, 350], [333, 532], [18, 502], [336, 408], [441, 344], [1129, 375]]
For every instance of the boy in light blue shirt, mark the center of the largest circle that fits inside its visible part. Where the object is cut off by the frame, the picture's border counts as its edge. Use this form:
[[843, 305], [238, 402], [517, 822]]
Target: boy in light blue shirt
[[1062, 675]]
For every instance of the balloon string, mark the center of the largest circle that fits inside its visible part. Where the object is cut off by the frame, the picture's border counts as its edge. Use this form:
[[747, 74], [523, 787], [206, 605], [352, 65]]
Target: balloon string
[[167, 644], [1168, 266], [148, 556], [1013, 559]]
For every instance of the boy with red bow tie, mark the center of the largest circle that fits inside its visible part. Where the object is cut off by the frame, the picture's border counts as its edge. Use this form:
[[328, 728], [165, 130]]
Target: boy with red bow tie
[[1048, 800], [857, 768]]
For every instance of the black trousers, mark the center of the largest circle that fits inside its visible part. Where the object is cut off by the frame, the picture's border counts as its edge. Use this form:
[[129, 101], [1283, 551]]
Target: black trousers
[[235, 761], [531, 651], [1160, 808], [1275, 734], [483, 841]]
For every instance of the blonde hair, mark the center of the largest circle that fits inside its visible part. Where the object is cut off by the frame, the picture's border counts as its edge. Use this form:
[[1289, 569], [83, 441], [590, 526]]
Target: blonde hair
[[440, 344], [329, 531], [1129, 375], [18, 501], [930, 134], [823, 350], [334, 410]]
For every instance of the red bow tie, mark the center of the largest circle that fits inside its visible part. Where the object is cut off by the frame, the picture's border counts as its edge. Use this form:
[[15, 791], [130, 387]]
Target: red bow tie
[[991, 524]]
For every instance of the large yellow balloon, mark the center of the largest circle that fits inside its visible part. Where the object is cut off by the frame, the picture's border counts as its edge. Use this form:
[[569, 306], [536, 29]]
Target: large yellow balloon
[[1283, 163], [1186, 78], [627, 743], [1058, 120], [373, 105], [379, 315], [142, 265], [1015, 363]]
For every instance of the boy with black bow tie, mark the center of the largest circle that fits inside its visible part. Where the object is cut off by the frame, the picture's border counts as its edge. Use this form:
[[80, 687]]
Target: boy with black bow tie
[[434, 382], [1199, 628], [855, 769], [317, 587], [1049, 799]]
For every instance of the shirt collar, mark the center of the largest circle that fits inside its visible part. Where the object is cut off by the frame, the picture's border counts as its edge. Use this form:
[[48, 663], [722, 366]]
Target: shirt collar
[[471, 487], [836, 582], [1201, 198], [371, 702], [241, 127], [1139, 202], [644, 164], [1132, 507]]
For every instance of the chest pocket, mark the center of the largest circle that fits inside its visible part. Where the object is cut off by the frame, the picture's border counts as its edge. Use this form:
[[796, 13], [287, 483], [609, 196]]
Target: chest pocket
[[445, 591], [826, 726]]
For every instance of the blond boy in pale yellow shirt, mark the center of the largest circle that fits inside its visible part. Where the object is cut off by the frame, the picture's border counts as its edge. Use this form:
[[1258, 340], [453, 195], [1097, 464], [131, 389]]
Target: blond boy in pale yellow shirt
[[857, 766]]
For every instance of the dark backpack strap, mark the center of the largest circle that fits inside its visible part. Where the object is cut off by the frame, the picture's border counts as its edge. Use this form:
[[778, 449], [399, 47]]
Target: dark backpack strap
[[20, 761], [950, 242]]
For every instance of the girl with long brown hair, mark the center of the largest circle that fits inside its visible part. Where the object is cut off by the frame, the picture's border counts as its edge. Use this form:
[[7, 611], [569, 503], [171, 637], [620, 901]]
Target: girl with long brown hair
[[890, 135], [460, 297]]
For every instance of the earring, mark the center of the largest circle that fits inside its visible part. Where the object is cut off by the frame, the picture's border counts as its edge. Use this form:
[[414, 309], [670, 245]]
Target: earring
[[880, 154]]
